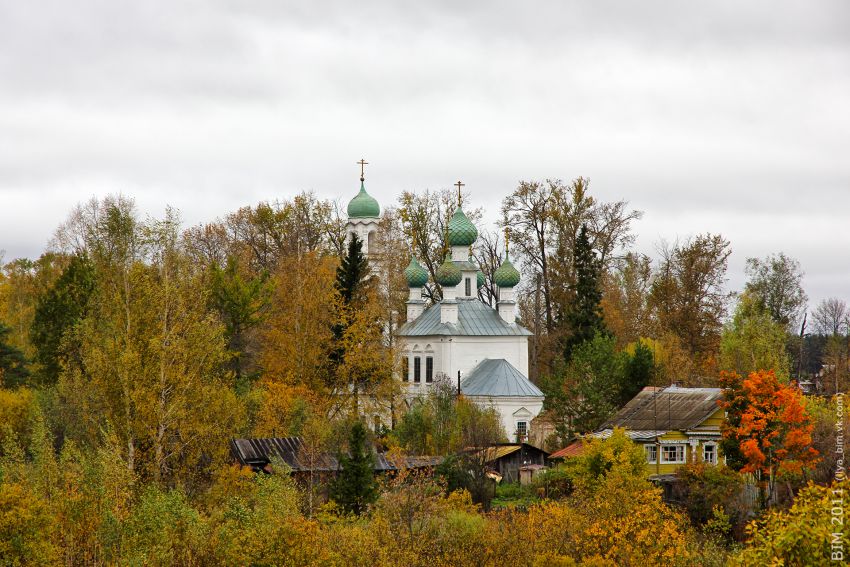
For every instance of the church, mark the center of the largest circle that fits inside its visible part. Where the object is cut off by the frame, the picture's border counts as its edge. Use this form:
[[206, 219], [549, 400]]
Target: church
[[460, 338]]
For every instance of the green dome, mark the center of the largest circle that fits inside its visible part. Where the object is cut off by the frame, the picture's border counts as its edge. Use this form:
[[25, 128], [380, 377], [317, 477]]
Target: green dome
[[363, 205], [506, 275], [461, 231], [415, 274], [479, 278], [448, 274]]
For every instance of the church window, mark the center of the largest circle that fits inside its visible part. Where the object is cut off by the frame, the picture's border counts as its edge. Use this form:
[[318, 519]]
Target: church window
[[468, 287], [417, 369], [521, 431], [429, 369], [405, 369]]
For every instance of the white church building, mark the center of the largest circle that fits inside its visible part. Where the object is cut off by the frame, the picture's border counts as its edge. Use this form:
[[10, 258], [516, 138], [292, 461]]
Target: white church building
[[460, 337]]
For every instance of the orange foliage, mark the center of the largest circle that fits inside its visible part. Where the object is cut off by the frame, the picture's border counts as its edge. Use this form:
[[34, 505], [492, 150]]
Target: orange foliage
[[769, 421]]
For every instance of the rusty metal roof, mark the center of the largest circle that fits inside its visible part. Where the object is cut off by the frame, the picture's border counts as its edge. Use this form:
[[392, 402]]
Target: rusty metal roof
[[671, 408], [258, 453], [574, 449], [501, 450]]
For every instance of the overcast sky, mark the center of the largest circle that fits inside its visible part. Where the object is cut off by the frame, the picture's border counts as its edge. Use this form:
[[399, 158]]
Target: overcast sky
[[729, 117]]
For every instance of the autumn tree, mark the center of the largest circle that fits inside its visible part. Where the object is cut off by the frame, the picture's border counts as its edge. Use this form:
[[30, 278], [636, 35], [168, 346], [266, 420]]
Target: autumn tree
[[767, 430], [242, 301], [754, 340], [625, 299], [832, 319], [776, 284], [152, 357], [688, 297]]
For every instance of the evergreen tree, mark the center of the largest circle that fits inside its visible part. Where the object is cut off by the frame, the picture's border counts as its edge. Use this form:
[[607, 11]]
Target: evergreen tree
[[352, 271], [638, 373], [62, 307], [355, 486], [584, 317], [13, 365]]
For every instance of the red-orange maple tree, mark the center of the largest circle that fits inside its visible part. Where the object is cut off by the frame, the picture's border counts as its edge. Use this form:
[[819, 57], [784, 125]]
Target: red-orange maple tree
[[768, 424]]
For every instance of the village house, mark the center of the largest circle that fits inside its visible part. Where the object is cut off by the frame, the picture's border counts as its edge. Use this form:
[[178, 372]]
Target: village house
[[673, 425]]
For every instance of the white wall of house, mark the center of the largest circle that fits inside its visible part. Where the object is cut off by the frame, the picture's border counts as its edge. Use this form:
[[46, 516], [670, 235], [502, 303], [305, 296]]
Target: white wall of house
[[512, 411]]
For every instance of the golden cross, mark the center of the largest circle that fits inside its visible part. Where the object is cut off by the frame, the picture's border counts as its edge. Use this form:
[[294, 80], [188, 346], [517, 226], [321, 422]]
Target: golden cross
[[459, 185], [507, 231], [362, 162]]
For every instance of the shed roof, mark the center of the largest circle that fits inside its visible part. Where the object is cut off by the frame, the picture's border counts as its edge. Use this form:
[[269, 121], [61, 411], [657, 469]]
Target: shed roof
[[671, 408], [498, 451], [496, 377], [258, 453], [474, 319]]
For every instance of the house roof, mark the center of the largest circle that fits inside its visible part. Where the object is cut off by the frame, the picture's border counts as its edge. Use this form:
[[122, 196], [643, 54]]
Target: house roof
[[258, 453], [667, 409], [574, 449], [496, 377], [474, 319]]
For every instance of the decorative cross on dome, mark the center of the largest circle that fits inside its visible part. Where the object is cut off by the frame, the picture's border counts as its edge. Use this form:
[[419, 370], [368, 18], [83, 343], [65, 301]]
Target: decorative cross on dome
[[459, 185], [362, 163]]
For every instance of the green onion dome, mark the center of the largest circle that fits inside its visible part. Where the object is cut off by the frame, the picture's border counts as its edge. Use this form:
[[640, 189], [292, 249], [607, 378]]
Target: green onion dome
[[479, 278], [415, 274], [363, 205], [448, 274], [506, 275], [461, 231]]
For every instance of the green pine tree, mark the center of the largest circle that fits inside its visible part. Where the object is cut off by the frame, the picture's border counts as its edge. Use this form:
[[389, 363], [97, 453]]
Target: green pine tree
[[13, 365], [352, 272], [58, 310], [355, 486], [584, 317]]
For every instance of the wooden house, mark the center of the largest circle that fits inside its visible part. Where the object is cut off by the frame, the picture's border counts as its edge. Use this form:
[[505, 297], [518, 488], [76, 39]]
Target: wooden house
[[673, 425], [509, 459]]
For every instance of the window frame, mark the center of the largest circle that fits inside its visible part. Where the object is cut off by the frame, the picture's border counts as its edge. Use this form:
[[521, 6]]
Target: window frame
[[680, 448], [713, 447], [651, 448], [417, 369], [429, 369], [468, 287], [524, 436]]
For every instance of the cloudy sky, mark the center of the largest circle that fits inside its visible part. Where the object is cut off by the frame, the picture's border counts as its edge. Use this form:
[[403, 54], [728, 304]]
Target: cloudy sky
[[729, 117]]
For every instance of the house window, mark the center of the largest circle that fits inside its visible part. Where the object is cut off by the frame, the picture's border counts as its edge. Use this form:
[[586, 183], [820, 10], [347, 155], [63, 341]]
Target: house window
[[405, 368], [468, 287], [673, 454], [709, 453], [521, 430], [429, 369], [417, 369], [651, 453]]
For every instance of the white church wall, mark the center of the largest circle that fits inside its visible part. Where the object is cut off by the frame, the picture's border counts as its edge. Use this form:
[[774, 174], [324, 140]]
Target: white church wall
[[465, 352], [512, 411]]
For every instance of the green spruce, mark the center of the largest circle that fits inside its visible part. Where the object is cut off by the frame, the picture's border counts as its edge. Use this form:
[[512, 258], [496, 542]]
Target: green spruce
[[355, 487], [584, 318]]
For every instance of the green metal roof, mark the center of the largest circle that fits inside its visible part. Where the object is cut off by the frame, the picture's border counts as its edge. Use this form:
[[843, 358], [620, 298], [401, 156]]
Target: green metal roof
[[461, 230], [474, 319], [496, 377], [506, 275], [448, 273], [415, 274], [363, 205]]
